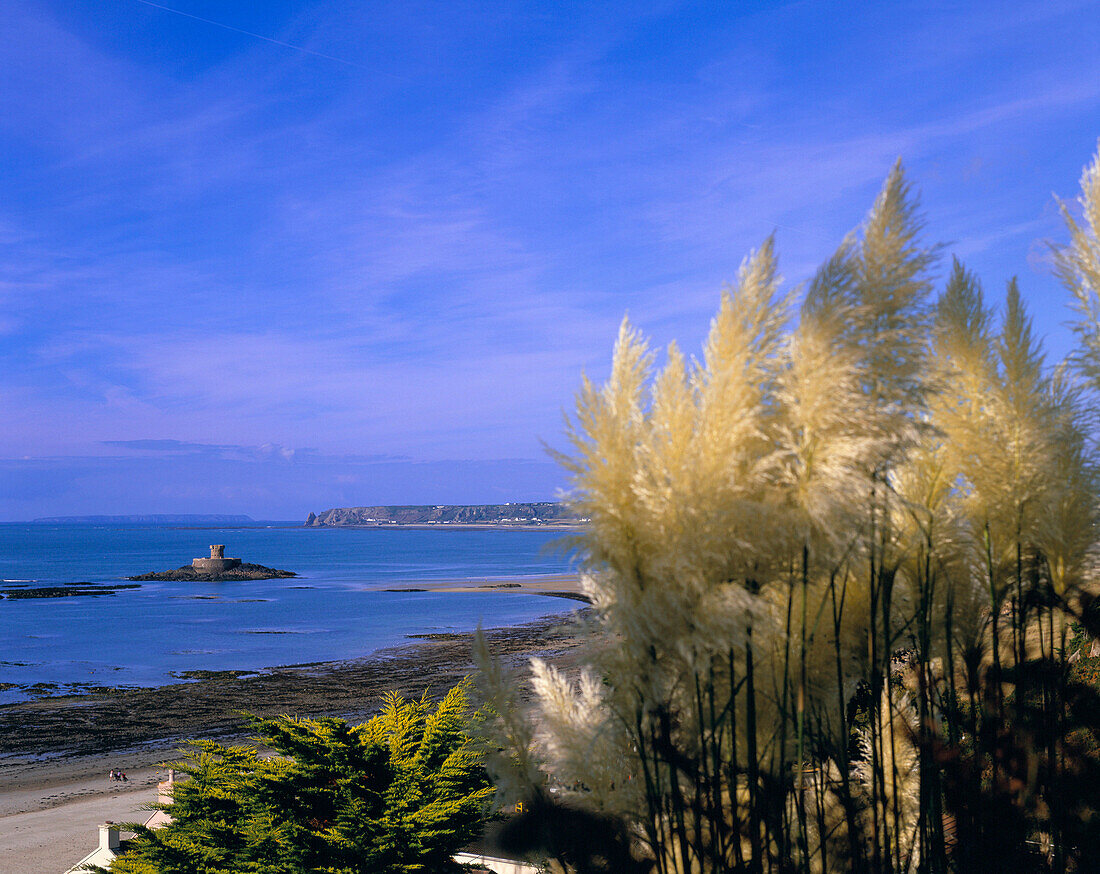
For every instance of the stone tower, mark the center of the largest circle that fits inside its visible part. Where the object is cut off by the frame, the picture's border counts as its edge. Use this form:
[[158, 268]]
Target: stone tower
[[217, 561]]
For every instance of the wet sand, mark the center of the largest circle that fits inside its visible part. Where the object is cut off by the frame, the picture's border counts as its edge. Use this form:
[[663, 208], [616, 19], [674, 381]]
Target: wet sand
[[55, 753], [554, 585]]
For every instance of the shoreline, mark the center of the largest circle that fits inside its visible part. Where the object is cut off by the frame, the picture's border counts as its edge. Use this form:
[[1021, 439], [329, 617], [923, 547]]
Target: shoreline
[[51, 742], [56, 752], [54, 790], [548, 585], [26, 690]]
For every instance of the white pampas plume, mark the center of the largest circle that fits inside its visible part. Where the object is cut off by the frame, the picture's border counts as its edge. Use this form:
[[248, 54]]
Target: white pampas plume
[[504, 727], [1078, 266], [892, 740], [580, 741]]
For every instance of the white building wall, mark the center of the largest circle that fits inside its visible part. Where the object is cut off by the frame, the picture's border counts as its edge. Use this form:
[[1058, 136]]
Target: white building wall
[[498, 866]]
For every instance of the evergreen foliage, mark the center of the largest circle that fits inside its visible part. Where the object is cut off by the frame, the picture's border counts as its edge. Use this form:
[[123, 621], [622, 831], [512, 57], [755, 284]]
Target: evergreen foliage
[[842, 573], [399, 794]]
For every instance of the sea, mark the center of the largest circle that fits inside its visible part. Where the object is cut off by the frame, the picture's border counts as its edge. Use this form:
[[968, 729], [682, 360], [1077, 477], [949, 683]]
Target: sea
[[337, 608]]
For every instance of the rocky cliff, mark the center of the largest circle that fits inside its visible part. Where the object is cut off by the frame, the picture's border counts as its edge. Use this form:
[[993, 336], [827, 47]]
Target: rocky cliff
[[539, 513]]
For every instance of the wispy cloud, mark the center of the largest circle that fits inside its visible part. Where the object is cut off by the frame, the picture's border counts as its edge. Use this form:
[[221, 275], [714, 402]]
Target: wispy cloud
[[213, 248]]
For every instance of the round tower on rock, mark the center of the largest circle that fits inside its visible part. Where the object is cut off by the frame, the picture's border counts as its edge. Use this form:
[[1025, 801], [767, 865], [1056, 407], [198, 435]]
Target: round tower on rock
[[217, 561]]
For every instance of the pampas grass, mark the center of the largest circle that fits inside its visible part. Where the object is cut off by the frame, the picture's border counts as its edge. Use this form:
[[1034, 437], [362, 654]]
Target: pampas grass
[[834, 566]]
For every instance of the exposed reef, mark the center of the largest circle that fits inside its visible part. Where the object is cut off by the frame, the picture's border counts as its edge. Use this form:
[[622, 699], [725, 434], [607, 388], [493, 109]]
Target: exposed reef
[[245, 571], [150, 722], [68, 590]]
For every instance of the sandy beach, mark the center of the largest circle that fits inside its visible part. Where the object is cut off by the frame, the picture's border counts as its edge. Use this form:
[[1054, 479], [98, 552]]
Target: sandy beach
[[554, 585], [57, 752], [44, 833]]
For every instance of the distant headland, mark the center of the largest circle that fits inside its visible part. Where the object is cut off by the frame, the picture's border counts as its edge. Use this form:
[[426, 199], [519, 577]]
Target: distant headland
[[537, 514]]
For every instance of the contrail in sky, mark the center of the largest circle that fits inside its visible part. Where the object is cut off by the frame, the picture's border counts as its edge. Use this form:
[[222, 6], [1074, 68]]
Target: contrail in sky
[[277, 42]]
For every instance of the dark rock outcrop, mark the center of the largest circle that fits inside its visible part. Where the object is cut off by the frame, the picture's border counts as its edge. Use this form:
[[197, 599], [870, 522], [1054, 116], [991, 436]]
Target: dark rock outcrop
[[69, 590], [245, 571]]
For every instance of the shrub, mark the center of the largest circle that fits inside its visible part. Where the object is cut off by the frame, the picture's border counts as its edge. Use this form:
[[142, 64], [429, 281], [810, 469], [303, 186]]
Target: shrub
[[400, 793]]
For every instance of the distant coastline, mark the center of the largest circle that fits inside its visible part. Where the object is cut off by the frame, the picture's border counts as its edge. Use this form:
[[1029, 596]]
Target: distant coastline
[[147, 519], [516, 515], [535, 514]]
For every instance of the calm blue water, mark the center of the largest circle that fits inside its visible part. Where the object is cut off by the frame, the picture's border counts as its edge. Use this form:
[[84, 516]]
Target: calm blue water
[[334, 609]]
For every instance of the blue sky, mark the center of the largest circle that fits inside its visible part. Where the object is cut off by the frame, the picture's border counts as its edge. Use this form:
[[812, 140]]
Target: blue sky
[[301, 255]]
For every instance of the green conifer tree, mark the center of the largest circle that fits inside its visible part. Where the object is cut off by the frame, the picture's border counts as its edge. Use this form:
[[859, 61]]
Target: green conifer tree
[[397, 795]]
